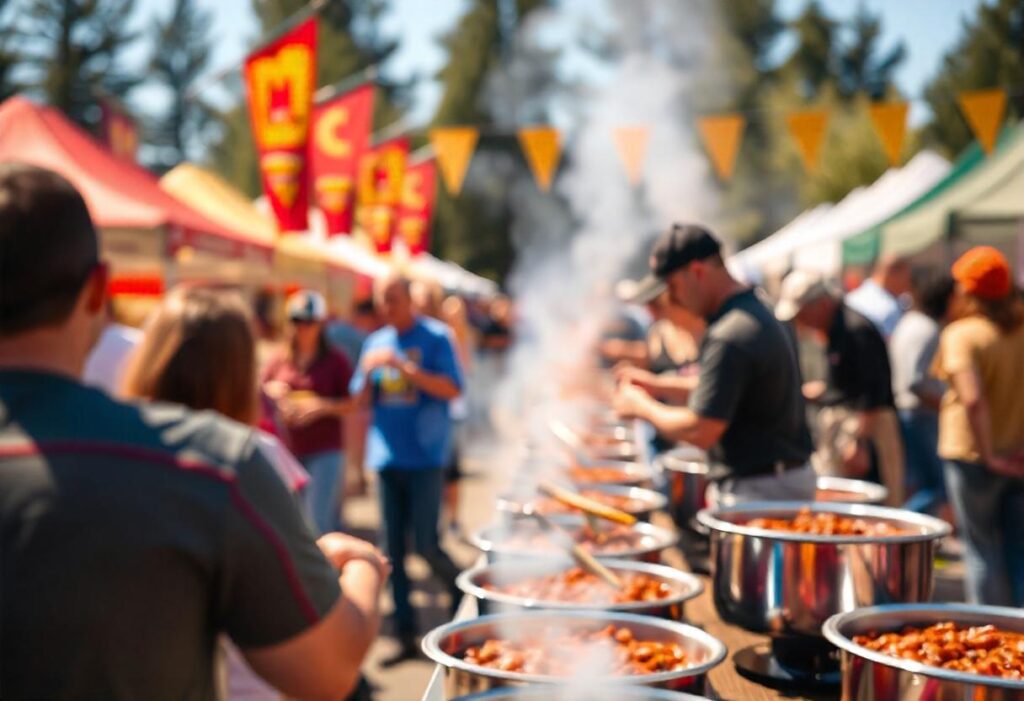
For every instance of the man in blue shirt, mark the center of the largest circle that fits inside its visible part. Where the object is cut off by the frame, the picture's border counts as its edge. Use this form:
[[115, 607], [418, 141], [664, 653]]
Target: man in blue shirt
[[408, 372]]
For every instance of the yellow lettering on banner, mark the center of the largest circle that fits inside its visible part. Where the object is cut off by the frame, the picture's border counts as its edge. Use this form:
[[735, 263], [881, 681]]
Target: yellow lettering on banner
[[453, 147], [327, 139], [984, 111], [631, 143], [542, 149], [808, 127], [412, 190], [890, 120], [721, 135], [286, 76]]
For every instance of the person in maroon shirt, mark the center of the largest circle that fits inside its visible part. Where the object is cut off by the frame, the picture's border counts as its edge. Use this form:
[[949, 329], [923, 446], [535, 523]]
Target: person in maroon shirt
[[309, 382]]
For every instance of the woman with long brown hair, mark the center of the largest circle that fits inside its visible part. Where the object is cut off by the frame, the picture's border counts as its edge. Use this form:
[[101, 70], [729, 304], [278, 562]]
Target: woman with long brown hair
[[198, 349], [981, 424]]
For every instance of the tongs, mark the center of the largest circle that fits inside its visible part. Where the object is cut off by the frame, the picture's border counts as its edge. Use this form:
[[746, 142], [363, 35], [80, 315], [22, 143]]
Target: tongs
[[565, 540]]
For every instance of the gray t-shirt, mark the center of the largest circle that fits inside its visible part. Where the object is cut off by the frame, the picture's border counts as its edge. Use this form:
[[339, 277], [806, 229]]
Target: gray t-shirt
[[750, 378], [911, 350], [130, 537]]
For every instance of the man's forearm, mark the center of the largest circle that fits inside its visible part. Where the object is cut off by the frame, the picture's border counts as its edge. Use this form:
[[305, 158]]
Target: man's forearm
[[674, 388], [436, 385], [674, 422]]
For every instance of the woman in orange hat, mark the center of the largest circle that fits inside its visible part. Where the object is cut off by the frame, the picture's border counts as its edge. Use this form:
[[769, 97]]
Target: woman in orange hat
[[981, 424]]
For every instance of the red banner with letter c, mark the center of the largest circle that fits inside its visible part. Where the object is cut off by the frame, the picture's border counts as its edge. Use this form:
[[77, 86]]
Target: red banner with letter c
[[340, 135], [416, 210], [280, 79]]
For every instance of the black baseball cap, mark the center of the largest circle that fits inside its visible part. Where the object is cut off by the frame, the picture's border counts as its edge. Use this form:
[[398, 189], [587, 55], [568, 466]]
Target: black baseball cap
[[680, 245]]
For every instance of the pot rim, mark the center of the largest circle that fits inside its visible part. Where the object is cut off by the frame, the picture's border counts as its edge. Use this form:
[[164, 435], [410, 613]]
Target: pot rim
[[692, 586], [654, 500], [832, 630], [932, 529], [431, 646], [664, 537]]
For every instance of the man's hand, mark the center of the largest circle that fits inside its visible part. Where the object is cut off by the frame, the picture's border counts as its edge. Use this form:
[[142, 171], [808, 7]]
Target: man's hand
[[814, 389], [340, 549], [630, 401], [632, 375], [856, 458], [379, 358]]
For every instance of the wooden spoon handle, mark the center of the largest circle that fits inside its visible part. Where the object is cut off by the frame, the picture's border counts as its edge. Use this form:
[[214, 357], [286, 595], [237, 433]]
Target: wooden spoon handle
[[586, 505]]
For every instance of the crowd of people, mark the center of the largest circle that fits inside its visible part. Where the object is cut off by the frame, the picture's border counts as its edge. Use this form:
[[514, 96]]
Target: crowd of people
[[176, 488], [919, 389]]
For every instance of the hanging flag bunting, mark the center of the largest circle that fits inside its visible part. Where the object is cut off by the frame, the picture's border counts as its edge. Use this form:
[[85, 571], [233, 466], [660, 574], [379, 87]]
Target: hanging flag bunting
[[721, 135], [541, 147], [631, 143], [381, 170], [120, 132], [890, 120], [807, 127], [453, 147], [279, 80], [984, 111], [416, 209], [340, 136]]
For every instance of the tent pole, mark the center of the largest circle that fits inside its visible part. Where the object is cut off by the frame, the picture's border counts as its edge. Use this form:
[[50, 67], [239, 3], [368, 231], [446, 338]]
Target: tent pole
[[950, 234]]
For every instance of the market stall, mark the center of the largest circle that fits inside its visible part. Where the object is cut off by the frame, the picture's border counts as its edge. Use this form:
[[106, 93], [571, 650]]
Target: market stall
[[981, 200], [145, 232]]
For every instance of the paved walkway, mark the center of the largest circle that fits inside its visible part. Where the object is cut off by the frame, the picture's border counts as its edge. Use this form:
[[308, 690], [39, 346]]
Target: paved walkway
[[407, 681]]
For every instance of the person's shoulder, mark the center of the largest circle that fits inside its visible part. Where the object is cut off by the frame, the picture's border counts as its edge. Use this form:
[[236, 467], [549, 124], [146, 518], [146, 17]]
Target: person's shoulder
[[745, 318], [204, 438], [436, 329], [971, 329]]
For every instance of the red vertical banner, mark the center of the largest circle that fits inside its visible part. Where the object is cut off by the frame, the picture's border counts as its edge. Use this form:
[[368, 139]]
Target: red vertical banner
[[120, 132], [280, 80], [380, 190], [340, 137], [416, 208]]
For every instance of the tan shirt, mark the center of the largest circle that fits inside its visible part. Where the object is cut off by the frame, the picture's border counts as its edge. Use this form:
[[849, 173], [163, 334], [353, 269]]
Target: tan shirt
[[976, 343]]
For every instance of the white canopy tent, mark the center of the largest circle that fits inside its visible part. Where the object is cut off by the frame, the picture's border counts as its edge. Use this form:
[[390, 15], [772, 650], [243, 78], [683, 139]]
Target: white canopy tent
[[814, 239]]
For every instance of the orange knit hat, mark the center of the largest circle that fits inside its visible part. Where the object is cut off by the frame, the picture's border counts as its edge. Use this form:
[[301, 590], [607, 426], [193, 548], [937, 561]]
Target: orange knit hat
[[983, 272]]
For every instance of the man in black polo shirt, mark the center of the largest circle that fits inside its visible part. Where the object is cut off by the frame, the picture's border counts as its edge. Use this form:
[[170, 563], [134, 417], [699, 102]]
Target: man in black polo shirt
[[858, 430], [132, 535], [745, 407]]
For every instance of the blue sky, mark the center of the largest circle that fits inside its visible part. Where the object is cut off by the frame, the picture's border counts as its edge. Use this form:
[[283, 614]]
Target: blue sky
[[927, 27]]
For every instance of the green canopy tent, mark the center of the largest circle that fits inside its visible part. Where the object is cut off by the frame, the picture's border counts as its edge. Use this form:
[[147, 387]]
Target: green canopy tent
[[980, 201]]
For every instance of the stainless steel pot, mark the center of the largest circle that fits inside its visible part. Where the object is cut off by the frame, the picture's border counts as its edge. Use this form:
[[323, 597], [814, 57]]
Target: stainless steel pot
[[648, 500], [789, 584], [446, 644], [541, 693], [849, 491], [491, 540], [472, 582], [686, 474], [633, 473], [872, 676]]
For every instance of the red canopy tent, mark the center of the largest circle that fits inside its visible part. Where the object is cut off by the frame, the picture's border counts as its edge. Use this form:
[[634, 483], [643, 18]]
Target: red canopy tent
[[120, 195]]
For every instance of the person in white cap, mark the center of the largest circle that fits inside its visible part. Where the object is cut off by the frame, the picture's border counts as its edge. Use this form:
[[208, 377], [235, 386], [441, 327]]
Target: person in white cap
[[858, 434], [309, 382]]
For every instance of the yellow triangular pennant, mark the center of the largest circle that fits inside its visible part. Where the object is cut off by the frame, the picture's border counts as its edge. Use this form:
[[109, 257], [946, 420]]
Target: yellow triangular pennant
[[721, 135], [542, 149], [807, 128], [984, 111], [453, 147], [631, 143], [890, 120]]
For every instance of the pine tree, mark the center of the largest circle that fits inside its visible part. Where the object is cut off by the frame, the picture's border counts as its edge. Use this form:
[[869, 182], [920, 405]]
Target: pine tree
[[8, 54], [989, 55], [474, 229], [181, 49], [861, 67], [813, 62], [81, 44]]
